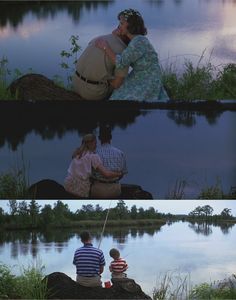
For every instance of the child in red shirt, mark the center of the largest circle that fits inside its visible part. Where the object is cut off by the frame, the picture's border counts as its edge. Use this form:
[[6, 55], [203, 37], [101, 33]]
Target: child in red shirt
[[118, 266]]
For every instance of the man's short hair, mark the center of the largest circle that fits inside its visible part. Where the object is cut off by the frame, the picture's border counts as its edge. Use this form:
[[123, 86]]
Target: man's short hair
[[85, 236], [105, 133], [114, 253]]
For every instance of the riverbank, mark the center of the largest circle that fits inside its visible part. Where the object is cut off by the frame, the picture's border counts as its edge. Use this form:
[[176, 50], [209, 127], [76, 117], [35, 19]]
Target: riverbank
[[87, 224], [33, 284]]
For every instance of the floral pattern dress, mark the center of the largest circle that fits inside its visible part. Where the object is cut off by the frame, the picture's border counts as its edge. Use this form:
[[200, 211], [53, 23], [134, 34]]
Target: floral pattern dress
[[143, 83], [77, 181]]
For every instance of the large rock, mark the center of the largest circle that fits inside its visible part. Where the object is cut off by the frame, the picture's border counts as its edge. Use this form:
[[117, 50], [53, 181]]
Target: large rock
[[50, 189], [37, 87], [61, 286]]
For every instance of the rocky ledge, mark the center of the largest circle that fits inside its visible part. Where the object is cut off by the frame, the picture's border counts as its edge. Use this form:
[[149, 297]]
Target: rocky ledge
[[50, 189], [38, 88], [61, 286]]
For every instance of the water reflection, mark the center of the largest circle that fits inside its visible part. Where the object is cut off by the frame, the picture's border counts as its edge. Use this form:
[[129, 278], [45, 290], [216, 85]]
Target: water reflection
[[49, 127], [15, 16], [30, 242], [189, 118], [206, 228]]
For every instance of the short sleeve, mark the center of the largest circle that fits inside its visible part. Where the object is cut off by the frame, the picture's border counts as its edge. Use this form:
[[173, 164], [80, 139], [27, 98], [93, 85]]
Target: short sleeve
[[95, 161], [102, 260]]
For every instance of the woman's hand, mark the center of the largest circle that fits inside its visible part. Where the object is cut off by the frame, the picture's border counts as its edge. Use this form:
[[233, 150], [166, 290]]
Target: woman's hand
[[101, 44]]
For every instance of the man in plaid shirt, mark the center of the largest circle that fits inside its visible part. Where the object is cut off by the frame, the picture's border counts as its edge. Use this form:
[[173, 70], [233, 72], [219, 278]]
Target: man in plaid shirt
[[114, 160]]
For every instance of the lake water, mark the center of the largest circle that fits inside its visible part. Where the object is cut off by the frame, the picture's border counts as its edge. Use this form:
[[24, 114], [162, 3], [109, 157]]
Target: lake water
[[32, 34], [161, 147], [204, 252]]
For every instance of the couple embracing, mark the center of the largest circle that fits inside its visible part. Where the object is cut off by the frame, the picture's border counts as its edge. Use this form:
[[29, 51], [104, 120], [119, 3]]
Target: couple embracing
[[102, 70], [95, 172]]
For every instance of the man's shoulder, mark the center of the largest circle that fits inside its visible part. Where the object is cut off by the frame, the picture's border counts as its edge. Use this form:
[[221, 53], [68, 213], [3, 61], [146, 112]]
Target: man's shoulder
[[110, 148]]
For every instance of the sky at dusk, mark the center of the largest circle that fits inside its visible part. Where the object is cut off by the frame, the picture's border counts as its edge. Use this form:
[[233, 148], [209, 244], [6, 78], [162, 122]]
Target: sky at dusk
[[164, 206]]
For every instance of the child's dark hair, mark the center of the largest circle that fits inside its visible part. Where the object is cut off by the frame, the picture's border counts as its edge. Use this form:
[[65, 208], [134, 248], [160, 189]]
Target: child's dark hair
[[114, 253]]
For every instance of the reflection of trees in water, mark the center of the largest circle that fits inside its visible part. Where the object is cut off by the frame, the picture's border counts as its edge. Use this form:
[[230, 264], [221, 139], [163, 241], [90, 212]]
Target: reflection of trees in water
[[205, 228], [27, 242], [188, 118], [51, 123], [13, 13]]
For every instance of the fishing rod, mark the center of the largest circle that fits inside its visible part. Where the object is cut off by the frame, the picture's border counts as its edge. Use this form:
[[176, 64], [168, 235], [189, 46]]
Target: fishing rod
[[104, 225]]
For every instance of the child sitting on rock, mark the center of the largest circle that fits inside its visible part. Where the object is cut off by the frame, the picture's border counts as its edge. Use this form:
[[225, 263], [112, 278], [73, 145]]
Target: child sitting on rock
[[118, 266]]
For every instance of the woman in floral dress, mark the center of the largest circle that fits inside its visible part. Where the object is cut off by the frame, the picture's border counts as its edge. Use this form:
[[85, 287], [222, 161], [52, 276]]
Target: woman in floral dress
[[84, 160], [143, 83]]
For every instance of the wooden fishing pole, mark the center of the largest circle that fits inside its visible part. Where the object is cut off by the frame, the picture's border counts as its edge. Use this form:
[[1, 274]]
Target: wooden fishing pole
[[104, 225]]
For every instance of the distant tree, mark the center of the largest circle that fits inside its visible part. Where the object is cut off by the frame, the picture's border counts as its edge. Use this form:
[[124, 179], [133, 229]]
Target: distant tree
[[34, 209], [207, 210], [121, 209], [226, 213], [197, 212], [141, 213], [47, 214], [13, 207], [134, 212], [23, 208], [150, 213]]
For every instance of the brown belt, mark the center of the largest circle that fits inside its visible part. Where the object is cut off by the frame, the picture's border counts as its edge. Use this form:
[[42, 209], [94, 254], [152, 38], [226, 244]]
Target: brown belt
[[87, 80]]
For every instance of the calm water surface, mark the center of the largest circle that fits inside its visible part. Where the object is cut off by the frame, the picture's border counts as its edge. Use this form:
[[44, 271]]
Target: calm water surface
[[32, 35], [205, 252], [161, 147]]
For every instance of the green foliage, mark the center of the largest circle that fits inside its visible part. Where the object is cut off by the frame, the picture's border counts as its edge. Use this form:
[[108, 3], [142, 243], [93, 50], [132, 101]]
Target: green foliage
[[200, 82], [173, 286], [177, 192], [29, 285], [8, 286], [207, 291], [69, 57], [4, 73], [14, 184], [212, 192]]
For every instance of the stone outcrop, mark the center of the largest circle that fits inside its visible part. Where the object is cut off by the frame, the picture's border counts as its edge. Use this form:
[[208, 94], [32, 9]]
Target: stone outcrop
[[61, 286], [50, 189], [36, 87]]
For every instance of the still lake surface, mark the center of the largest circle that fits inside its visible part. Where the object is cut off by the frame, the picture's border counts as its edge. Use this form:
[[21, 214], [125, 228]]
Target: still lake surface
[[205, 252], [32, 34], [161, 147]]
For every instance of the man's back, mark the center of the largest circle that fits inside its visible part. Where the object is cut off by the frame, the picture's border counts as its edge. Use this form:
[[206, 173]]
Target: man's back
[[94, 65], [112, 158]]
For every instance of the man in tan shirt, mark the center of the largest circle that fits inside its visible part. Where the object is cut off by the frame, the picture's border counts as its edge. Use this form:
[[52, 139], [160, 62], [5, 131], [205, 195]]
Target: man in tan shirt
[[94, 69]]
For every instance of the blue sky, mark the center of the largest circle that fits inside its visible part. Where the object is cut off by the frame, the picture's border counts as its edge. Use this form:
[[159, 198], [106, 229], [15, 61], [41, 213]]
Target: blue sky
[[165, 206]]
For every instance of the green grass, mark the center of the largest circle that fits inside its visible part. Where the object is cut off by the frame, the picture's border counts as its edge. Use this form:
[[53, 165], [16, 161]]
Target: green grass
[[176, 286], [14, 183], [28, 285], [202, 81]]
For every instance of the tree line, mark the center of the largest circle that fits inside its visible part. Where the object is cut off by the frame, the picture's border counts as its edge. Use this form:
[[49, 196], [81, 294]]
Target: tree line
[[22, 214]]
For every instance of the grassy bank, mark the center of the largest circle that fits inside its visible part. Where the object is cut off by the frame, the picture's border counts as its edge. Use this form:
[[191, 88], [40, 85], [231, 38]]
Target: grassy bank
[[174, 286], [30, 285], [202, 82], [89, 224]]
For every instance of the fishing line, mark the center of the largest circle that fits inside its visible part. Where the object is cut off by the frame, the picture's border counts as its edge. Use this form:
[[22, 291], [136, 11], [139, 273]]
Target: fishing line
[[104, 225]]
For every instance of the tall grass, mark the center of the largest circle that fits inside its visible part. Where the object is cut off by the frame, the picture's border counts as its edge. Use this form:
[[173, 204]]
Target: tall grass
[[202, 81], [172, 286], [5, 94], [29, 285], [177, 286], [14, 183]]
